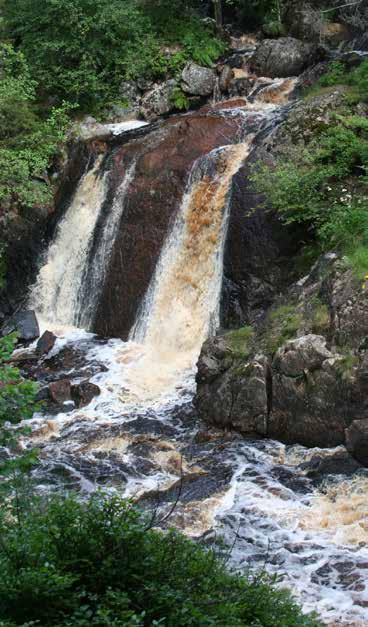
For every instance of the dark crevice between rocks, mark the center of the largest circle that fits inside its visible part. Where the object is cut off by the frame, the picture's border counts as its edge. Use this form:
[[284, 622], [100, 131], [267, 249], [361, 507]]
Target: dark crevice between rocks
[[269, 392]]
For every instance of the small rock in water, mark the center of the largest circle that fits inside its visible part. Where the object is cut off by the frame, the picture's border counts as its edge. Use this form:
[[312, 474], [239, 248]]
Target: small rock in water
[[61, 391], [84, 392], [46, 343]]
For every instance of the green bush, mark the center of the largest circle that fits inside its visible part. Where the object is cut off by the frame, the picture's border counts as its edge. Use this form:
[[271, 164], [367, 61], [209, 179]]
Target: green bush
[[81, 50], [28, 142], [357, 79], [64, 563], [325, 186], [17, 402]]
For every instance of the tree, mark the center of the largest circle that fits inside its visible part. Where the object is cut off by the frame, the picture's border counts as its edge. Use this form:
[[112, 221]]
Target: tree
[[218, 15]]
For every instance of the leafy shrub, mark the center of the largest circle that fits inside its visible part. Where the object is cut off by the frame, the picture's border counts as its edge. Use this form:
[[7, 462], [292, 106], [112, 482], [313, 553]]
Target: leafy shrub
[[357, 79], [336, 75], [180, 99], [81, 50], [17, 402], [324, 186], [69, 563], [27, 142]]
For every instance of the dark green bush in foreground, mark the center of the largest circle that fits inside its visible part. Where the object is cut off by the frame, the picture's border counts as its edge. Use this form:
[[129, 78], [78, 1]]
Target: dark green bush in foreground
[[67, 563]]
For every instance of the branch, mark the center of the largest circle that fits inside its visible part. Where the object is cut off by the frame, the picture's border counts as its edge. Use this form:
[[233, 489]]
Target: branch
[[343, 6]]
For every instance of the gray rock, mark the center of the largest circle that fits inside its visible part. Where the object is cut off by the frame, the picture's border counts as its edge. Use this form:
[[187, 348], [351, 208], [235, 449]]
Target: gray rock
[[278, 58], [25, 324], [303, 354], [230, 395], [129, 91], [357, 440], [159, 101], [198, 80]]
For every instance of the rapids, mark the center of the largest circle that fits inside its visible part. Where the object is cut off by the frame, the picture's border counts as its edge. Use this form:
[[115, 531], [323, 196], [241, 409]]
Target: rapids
[[140, 436]]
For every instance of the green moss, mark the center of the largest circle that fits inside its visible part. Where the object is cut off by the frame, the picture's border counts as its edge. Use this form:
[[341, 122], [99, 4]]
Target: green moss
[[358, 261], [240, 341], [321, 317], [345, 367], [282, 325]]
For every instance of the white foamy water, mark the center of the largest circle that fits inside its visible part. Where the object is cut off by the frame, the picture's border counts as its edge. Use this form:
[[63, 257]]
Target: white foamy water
[[55, 296]]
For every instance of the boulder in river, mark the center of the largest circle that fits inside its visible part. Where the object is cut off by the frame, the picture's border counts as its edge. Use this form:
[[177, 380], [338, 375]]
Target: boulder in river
[[84, 392], [46, 343], [61, 391], [198, 80], [279, 58], [159, 100]]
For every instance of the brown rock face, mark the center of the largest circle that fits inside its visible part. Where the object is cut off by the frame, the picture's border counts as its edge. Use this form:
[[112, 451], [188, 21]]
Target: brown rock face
[[163, 163]]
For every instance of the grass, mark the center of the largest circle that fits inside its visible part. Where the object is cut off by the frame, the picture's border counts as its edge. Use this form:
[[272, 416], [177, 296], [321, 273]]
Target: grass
[[282, 325], [240, 342]]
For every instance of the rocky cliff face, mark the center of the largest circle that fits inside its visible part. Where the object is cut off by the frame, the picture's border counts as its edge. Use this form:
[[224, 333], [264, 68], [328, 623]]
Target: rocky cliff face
[[301, 376]]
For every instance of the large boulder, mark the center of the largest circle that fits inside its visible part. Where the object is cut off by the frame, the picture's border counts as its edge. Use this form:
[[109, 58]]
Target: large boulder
[[227, 398], [198, 80], [159, 100], [307, 394], [278, 58], [25, 324]]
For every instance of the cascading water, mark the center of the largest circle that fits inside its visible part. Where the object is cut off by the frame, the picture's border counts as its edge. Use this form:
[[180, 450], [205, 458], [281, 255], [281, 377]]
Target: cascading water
[[182, 305], [139, 436], [56, 294], [98, 262]]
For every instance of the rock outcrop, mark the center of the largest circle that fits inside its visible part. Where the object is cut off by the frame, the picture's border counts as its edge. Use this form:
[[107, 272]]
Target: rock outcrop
[[310, 389]]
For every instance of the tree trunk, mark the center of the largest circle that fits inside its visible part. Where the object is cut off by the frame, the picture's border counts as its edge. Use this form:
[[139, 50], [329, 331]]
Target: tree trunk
[[218, 15]]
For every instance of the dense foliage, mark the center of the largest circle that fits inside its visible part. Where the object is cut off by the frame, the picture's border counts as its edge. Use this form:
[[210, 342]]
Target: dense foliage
[[68, 563], [82, 50], [325, 185], [17, 402], [28, 142]]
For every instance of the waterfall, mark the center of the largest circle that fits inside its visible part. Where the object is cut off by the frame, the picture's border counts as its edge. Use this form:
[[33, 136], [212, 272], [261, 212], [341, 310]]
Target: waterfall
[[98, 262], [182, 304], [56, 293]]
